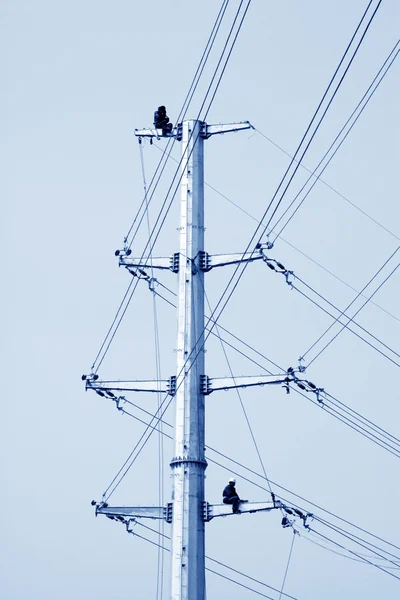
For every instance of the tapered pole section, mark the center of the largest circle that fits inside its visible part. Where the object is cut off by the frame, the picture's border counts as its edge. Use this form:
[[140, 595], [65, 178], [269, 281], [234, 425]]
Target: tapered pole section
[[189, 464]]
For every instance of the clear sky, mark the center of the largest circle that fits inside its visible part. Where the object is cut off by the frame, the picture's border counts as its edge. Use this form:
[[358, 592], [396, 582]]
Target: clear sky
[[78, 77]]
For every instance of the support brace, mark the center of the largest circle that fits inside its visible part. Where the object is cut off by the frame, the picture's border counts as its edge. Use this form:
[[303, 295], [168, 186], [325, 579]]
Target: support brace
[[224, 510], [206, 130], [106, 388], [121, 513]]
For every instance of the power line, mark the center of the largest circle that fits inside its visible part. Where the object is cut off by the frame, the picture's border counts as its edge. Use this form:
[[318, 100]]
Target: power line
[[323, 521], [288, 563], [356, 554], [243, 268], [241, 403], [288, 243], [336, 138], [362, 306], [219, 563], [345, 420], [186, 104], [352, 330], [179, 179]]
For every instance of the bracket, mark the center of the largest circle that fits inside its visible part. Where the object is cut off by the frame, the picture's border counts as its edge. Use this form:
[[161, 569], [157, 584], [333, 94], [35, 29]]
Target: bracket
[[121, 513], [211, 511], [206, 130], [214, 384], [106, 388]]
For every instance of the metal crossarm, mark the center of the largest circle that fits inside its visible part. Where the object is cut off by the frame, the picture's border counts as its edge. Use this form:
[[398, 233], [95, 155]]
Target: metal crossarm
[[135, 385], [210, 261], [209, 130], [224, 510], [160, 262], [213, 384], [120, 513]]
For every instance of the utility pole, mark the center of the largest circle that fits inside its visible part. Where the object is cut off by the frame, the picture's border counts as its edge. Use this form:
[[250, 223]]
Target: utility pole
[[188, 511], [189, 464]]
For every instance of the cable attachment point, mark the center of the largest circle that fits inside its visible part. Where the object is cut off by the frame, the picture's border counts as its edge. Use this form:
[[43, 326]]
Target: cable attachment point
[[129, 524], [125, 252], [152, 284], [268, 245], [301, 367], [119, 402], [139, 273], [318, 392], [90, 377], [290, 277]]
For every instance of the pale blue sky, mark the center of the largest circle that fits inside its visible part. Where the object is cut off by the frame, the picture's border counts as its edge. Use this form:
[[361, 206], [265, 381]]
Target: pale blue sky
[[79, 77]]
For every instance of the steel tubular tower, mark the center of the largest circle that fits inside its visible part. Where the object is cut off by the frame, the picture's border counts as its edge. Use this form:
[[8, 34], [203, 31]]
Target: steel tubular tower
[[189, 464], [188, 512]]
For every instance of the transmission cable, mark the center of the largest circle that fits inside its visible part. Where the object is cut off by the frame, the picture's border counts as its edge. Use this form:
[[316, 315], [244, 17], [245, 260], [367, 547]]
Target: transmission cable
[[324, 182], [355, 554], [243, 268], [241, 402], [344, 314], [361, 307], [345, 420], [188, 99], [352, 330], [359, 560], [323, 521], [179, 179], [288, 243], [225, 566], [335, 140], [288, 563], [160, 555]]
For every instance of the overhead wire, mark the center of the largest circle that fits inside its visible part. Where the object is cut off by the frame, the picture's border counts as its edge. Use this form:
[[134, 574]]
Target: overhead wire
[[359, 560], [160, 555], [388, 439], [356, 554], [289, 244], [241, 402], [345, 326], [328, 185], [353, 56], [352, 330], [238, 12], [227, 289], [323, 521], [189, 96], [342, 313], [288, 563], [225, 566], [366, 97], [185, 106]]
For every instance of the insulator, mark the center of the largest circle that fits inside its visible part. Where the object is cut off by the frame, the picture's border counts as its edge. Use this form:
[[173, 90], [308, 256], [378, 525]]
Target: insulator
[[99, 393], [83, 377], [312, 386], [271, 266], [117, 253], [258, 246], [280, 266], [95, 377], [128, 252], [301, 386]]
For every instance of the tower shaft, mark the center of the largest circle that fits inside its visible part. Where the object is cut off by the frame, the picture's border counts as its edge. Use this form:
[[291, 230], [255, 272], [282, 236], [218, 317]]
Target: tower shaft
[[189, 464]]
